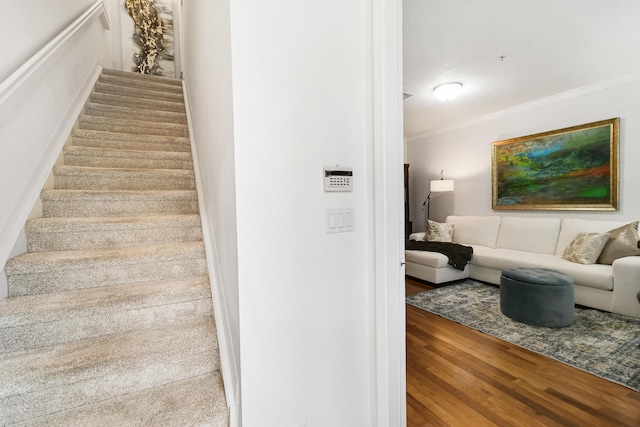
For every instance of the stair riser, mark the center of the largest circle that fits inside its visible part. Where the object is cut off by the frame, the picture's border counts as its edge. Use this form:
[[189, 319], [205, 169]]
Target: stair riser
[[136, 130], [131, 102], [140, 84], [73, 159], [134, 114], [116, 321], [96, 275], [117, 208], [138, 93], [161, 370], [43, 241], [92, 182]]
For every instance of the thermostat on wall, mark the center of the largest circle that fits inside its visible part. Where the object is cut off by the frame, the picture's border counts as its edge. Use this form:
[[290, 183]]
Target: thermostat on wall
[[338, 178]]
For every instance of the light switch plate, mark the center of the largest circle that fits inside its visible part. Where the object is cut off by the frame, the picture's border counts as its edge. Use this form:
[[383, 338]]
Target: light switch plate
[[338, 220]]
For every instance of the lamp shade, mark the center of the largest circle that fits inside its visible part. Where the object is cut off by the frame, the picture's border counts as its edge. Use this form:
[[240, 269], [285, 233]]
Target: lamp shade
[[447, 91], [441, 185]]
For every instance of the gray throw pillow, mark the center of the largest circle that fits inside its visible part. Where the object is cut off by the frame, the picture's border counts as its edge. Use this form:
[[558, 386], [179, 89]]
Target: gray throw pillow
[[623, 241]]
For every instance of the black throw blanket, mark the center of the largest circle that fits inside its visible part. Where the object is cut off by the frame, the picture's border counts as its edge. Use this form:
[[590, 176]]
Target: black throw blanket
[[459, 255]]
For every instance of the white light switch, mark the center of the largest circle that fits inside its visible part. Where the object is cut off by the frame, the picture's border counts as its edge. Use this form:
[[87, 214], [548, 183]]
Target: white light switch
[[338, 220]]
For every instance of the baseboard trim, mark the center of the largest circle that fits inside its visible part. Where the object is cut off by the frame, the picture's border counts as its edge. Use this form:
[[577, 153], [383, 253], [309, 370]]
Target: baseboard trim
[[229, 367]]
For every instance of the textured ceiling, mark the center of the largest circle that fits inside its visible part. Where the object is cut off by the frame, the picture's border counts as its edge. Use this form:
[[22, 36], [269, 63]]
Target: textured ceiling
[[510, 52]]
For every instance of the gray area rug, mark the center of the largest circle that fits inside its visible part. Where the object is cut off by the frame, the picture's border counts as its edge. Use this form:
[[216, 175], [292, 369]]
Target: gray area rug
[[600, 343]]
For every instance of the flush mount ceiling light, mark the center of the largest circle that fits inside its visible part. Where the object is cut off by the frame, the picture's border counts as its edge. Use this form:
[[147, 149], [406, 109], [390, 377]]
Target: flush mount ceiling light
[[447, 91]]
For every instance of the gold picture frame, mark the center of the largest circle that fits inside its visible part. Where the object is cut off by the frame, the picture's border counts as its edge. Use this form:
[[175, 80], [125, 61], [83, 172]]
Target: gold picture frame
[[574, 168]]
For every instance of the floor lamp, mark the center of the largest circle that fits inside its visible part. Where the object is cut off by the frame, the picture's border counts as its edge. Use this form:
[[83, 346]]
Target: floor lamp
[[438, 186]]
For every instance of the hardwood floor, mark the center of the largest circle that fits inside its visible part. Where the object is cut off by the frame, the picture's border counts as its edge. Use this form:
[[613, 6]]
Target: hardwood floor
[[457, 376]]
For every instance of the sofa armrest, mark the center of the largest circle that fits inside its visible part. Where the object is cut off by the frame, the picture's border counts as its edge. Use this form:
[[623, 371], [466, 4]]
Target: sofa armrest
[[626, 285], [417, 236]]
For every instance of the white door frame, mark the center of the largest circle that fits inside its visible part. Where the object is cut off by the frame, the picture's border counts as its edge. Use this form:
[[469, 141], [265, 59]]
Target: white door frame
[[390, 322]]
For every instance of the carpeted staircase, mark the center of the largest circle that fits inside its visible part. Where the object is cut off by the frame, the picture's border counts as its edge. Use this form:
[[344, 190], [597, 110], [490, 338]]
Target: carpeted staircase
[[109, 316]]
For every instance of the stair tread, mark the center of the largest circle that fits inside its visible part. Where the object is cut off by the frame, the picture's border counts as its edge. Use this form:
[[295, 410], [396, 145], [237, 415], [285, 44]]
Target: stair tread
[[132, 144], [63, 225], [138, 92], [121, 152], [94, 171], [197, 401], [79, 233], [29, 263], [121, 178], [119, 136], [106, 110], [117, 203], [78, 373], [102, 195], [54, 365], [93, 118], [133, 102], [127, 112], [161, 85], [142, 77], [30, 309], [42, 320], [134, 127]]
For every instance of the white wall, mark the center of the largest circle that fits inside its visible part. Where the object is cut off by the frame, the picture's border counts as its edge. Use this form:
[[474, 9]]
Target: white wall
[[465, 152], [40, 101], [299, 97], [28, 25], [298, 73]]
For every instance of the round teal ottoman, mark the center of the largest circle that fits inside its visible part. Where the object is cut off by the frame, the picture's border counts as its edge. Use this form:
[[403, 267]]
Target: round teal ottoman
[[537, 296]]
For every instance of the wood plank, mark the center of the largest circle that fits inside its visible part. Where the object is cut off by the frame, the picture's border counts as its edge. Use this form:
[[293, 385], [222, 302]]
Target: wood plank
[[457, 376], [414, 286]]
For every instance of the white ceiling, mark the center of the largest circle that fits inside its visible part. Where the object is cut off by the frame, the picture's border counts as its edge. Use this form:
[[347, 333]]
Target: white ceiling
[[549, 47]]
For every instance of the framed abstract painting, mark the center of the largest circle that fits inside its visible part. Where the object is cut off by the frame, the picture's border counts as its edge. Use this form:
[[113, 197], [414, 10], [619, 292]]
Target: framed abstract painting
[[574, 168]]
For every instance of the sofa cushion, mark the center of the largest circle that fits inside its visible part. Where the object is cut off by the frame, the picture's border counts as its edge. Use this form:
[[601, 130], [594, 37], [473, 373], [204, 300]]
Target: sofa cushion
[[623, 241], [572, 226], [597, 276], [585, 248], [429, 259], [475, 230], [539, 235], [435, 259]]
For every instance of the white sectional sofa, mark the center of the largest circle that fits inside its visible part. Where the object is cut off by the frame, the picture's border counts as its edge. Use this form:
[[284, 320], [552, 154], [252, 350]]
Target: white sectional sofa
[[506, 242]]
